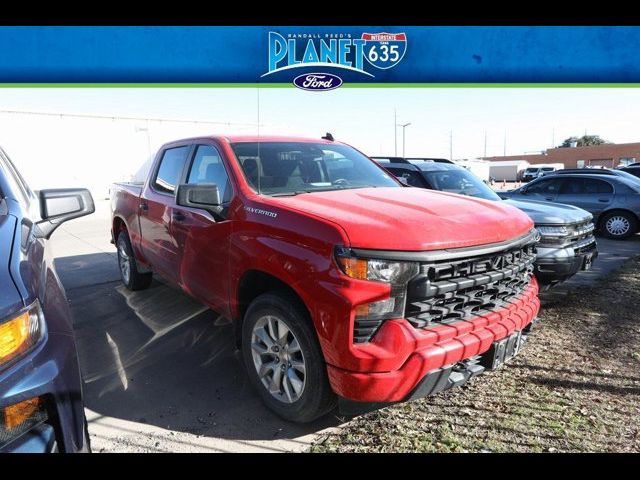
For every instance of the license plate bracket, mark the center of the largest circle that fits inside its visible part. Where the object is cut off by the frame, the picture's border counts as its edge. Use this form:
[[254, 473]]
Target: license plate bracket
[[502, 351]]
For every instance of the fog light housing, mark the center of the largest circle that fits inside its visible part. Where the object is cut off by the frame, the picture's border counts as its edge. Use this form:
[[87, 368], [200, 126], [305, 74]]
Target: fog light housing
[[21, 417], [375, 310]]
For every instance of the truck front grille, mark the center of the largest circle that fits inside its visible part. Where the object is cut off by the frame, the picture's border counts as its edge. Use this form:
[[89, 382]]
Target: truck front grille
[[447, 291], [575, 235]]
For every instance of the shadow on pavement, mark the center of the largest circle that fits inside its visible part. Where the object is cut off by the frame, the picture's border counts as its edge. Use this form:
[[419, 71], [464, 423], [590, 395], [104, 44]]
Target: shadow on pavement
[[160, 358]]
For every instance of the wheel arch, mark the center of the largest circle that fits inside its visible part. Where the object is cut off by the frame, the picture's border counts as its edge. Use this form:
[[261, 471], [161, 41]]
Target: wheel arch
[[252, 284], [604, 214]]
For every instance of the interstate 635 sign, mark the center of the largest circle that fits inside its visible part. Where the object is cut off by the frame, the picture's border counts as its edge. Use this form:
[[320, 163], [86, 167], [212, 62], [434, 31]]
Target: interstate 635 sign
[[384, 50]]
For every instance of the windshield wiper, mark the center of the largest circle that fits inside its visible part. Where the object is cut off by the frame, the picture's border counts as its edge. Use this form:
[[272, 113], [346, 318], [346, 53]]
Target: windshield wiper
[[282, 194], [312, 190]]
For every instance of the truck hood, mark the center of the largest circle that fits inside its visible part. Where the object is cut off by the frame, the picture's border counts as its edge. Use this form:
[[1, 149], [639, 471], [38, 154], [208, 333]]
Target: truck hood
[[547, 213], [412, 219]]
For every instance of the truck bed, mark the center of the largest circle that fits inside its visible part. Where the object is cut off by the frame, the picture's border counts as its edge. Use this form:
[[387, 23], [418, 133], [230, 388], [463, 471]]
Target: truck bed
[[125, 205]]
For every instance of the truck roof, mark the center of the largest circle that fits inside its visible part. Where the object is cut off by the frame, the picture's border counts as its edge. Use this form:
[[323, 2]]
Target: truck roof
[[260, 138]]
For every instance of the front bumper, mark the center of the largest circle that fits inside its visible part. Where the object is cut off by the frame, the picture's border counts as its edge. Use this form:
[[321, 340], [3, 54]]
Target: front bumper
[[419, 353], [557, 264], [50, 372]]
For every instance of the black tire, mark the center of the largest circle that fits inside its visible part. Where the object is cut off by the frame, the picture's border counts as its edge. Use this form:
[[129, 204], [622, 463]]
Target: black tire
[[135, 280], [316, 398], [625, 219]]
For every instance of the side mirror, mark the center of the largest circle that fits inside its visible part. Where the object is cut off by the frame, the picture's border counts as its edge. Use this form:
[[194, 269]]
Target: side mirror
[[61, 205], [205, 196]]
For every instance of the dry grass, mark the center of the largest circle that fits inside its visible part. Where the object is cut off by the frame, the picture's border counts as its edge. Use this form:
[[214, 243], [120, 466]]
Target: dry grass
[[574, 388]]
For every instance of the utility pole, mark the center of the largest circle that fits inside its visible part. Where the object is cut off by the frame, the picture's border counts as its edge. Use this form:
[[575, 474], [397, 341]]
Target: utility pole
[[504, 145], [553, 138], [395, 133], [485, 143], [451, 145], [405, 125]]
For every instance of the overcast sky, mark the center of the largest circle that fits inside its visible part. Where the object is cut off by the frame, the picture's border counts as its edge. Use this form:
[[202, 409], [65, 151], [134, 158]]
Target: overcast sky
[[362, 117]]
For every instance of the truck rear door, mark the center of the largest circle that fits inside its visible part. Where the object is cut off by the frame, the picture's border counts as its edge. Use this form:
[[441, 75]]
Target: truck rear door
[[157, 207]]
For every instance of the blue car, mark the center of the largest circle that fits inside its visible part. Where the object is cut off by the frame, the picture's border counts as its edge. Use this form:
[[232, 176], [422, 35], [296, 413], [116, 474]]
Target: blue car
[[41, 406]]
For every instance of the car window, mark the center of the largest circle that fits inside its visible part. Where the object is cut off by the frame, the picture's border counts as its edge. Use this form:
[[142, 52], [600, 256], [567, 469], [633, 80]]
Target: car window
[[461, 181], [207, 167], [549, 186], [585, 186], [16, 181], [170, 169], [413, 178]]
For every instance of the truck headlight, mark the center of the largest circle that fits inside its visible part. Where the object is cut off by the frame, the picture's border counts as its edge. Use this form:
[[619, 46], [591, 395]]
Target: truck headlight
[[386, 271], [396, 274], [552, 231], [20, 333]]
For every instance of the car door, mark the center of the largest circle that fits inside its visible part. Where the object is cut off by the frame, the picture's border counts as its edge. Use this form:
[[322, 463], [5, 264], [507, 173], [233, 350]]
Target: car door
[[591, 194], [203, 236], [156, 212], [545, 189]]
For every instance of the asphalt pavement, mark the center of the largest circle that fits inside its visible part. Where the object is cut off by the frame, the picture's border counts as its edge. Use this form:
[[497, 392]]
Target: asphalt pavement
[[160, 370]]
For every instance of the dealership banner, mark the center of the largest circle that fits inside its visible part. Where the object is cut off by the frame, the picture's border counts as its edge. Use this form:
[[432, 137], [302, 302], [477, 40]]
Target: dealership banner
[[319, 58]]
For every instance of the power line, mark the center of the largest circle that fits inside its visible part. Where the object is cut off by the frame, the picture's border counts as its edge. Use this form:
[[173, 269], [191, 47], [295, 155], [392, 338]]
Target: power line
[[117, 117]]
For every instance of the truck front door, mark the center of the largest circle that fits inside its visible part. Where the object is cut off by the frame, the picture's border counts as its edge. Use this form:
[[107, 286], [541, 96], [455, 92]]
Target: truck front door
[[156, 211], [202, 236]]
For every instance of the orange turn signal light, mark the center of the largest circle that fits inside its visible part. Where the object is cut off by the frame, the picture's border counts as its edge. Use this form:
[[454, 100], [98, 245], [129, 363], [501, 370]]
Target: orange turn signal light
[[16, 415], [14, 336], [354, 267]]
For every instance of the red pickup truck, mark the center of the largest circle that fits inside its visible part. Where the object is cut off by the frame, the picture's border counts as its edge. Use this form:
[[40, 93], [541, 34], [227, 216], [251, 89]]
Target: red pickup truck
[[345, 285]]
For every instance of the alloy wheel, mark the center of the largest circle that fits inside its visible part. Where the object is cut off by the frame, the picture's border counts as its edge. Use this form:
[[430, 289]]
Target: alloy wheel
[[278, 359], [124, 262]]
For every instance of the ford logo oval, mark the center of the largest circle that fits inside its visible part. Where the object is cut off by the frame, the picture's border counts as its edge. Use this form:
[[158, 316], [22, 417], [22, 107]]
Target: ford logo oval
[[316, 82]]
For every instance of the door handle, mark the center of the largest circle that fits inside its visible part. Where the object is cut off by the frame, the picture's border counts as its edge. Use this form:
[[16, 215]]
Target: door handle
[[549, 199], [178, 217], [603, 200], [143, 206]]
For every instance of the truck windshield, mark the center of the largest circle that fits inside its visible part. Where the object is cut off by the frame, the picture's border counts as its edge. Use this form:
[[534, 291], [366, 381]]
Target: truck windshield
[[531, 170], [290, 168], [461, 182]]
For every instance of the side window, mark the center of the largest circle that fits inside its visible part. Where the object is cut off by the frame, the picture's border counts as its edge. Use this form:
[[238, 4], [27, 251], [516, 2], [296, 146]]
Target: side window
[[170, 169], [548, 187], [16, 181], [207, 167], [585, 186]]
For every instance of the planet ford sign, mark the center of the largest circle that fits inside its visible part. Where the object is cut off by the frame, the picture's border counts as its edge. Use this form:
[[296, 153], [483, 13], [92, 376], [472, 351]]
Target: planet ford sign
[[341, 51]]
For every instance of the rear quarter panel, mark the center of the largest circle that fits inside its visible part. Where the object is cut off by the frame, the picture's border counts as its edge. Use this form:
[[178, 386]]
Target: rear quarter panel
[[125, 204]]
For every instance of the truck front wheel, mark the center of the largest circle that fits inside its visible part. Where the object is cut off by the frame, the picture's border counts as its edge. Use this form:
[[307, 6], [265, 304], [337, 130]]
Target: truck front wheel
[[284, 360], [131, 277]]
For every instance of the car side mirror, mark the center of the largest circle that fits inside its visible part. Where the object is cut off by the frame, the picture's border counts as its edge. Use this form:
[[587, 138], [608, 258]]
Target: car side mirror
[[205, 196], [61, 205]]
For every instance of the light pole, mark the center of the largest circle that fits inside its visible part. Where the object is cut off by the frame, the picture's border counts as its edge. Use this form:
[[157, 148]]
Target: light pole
[[403, 125], [395, 132]]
